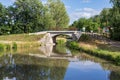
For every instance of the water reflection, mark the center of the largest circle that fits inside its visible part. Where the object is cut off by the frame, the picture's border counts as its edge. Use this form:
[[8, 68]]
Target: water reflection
[[55, 50], [23, 66], [32, 68], [86, 70], [47, 49]]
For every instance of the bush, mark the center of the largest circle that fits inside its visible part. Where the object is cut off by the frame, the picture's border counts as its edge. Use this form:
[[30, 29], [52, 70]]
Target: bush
[[85, 37], [61, 42], [117, 60], [73, 45], [8, 47], [1, 47], [14, 46], [112, 56]]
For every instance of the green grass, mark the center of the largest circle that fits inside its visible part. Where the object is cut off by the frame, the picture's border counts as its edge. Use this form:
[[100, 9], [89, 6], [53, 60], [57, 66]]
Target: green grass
[[21, 37], [100, 50], [1, 47], [60, 48], [85, 38], [12, 42], [113, 56], [8, 47], [14, 46]]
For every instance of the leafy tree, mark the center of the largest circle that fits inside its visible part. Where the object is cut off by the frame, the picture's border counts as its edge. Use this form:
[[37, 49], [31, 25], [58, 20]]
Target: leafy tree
[[90, 24], [11, 19], [73, 26], [104, 17], [81, 23], [115, 20], [59, 15], [4, 29], [29, 16], [49, 23]]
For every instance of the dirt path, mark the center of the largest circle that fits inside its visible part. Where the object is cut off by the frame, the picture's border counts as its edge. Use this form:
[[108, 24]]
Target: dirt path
[[115, 43]]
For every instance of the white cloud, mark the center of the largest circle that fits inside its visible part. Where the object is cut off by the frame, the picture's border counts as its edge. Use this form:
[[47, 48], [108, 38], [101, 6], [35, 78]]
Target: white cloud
[[88, 9], [83, 13], [68, 7], [13, 0], [86, 1]]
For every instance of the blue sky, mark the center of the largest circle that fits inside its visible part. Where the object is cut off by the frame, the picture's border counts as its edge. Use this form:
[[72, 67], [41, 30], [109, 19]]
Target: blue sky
[[77, 8]]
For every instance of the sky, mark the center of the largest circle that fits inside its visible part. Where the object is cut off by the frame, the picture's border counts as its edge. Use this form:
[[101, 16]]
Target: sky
[[77, 8]]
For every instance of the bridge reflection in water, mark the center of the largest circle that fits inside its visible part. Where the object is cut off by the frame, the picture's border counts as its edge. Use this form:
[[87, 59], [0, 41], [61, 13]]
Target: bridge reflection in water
[[38, 65], [32, 68]]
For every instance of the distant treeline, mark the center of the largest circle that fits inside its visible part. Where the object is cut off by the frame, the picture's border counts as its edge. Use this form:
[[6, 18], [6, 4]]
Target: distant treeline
[[108, 20]]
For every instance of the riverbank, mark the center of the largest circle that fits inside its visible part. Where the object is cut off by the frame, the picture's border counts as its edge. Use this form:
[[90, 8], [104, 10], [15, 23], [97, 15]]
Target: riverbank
[[98, 48], [21, 37], [8, 42]]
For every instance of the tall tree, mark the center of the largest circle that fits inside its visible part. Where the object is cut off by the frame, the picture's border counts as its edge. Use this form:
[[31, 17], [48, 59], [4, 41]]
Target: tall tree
[[115, 20], [104, 17], [48, 21], [29, 15], [81, 23], [58, 11], [11, 19], [4, 29]]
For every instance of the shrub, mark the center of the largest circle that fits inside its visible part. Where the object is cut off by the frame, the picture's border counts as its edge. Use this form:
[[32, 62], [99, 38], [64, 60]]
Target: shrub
[[8, 47], [61, 42], [73, 45], [1, 47], [117, 60], [14, 46], [85, 37], [112, 56]]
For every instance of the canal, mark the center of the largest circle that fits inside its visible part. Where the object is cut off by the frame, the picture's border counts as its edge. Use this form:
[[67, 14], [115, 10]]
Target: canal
[[55, 63]]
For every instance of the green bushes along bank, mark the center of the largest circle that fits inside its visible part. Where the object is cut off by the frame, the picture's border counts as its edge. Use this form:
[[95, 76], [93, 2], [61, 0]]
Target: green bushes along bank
[[108, 55]]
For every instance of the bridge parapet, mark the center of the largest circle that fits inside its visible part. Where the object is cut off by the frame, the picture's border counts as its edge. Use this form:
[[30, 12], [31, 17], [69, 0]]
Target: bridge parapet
[[48, 38]]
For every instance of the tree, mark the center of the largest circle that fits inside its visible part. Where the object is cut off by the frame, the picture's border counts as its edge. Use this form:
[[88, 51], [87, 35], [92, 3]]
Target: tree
[[81, 23], [104, 17], [4, 29], [58, 12], [90, 24], [29, 16], [11, 19], [115, 20], [48, 21]]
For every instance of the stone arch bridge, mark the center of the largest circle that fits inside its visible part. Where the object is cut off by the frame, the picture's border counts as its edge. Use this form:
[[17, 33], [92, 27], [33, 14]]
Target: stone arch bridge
[[50, 36]]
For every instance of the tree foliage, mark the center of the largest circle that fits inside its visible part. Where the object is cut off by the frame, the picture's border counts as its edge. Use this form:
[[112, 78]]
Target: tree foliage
[[59, 15], [115, 20], [90, 24], [29, 15], [3, 20], [109, 18], [105, 17], [26, 16]]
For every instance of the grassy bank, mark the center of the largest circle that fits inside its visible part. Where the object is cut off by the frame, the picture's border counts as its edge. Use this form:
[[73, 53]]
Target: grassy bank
[[60, 48], [97, 48], [9, 42], [21, 37]]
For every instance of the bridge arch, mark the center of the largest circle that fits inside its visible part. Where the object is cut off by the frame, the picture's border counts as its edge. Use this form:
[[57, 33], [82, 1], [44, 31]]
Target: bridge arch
[[50, 36], [54, 37]]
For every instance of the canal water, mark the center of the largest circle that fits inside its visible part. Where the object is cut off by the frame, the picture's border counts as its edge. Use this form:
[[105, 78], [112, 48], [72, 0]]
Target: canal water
[[55, 63]]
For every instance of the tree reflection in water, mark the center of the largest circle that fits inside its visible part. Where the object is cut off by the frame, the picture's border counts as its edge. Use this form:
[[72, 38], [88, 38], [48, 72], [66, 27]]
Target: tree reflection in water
[[106, 65], [22, 66], [32, 68]]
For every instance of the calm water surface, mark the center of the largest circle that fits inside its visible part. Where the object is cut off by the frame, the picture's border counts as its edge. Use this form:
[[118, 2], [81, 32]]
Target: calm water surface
[[51, 63]]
